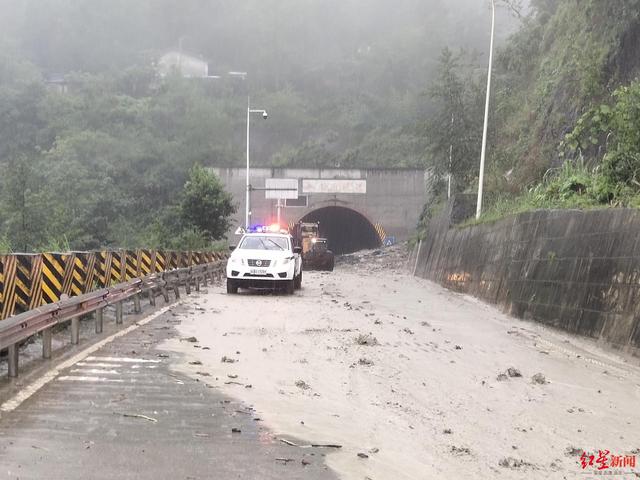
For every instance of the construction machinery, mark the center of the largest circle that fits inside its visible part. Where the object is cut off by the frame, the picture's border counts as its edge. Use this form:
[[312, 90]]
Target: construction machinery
[[315, 252]]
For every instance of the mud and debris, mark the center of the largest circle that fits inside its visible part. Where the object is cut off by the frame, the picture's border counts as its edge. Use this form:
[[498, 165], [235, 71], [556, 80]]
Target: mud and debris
[[376, 260], [455, 450], [443, 385], [539, 379], [302, 385], [513, 372], [366, 339], [514, 463]]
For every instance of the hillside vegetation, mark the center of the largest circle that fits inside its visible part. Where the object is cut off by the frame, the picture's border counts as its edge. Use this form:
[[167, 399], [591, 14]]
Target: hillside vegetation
[[113, 160], [105, 163], [566, 111]]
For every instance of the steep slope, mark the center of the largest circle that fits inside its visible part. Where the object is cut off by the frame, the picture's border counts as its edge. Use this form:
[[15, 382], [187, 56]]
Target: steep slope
[[569, 56]]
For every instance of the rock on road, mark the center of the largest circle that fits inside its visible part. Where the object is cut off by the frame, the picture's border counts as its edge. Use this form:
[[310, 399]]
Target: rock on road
[[415, 382]]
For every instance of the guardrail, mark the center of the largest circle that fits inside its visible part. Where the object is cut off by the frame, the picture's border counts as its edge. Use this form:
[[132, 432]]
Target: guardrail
[[17, 329], [29, 281]]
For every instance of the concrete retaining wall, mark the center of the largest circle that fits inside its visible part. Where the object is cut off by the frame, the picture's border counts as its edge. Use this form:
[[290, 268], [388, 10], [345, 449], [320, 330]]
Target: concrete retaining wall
[[577, 271]]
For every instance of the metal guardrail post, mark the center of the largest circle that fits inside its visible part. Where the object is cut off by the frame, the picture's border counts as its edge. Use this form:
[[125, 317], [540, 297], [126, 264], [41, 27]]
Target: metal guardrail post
[[99, 320], [136, 303], [119, 313], [75, 330], [13, 360], [46, 343]]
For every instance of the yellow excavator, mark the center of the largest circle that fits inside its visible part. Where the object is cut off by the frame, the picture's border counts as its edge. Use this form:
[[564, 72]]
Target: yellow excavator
[[308, 231], [315, 252]]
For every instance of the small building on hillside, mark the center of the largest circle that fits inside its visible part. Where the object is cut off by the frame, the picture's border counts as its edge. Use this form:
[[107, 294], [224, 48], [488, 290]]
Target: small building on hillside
[[56, 82], [188, 66]]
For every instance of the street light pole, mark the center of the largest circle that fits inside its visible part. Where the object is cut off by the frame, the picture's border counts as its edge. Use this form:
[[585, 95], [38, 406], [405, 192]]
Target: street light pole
[[278, 208], [247, 213], [486, 113], [450, 163], [247, 216]]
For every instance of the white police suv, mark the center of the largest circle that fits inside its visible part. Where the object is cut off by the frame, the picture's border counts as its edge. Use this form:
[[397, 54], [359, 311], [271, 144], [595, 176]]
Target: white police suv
[[265, 258]]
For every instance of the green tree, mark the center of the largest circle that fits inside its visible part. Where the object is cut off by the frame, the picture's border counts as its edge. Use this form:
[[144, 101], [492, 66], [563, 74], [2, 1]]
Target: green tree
[[454, 129], [22, 140], [205, 205]]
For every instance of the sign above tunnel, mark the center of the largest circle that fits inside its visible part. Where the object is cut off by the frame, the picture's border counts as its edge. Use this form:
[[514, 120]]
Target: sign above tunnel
[[281, 188], [334, 186]]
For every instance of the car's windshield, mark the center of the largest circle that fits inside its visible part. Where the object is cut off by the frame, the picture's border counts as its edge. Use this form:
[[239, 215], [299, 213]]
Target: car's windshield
[[264, 242]]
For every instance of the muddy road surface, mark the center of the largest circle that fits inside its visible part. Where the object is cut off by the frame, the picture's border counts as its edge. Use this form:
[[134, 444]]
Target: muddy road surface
[[413, 381], [365, 373]]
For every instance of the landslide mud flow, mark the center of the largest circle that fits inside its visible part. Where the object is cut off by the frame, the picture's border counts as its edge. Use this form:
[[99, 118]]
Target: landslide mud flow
[[413, 381]]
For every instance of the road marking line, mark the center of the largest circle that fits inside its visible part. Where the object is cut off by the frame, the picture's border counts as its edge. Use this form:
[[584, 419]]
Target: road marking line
[[95, 371], [89, 379], [123, 359], [97, 365], [25, 393]]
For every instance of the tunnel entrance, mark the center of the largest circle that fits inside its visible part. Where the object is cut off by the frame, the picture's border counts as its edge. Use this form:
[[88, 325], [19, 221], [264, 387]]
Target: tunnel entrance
[[347, 230]]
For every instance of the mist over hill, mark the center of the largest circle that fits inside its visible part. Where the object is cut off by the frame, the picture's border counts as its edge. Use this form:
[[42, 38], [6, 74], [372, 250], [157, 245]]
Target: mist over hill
[[96, 141]]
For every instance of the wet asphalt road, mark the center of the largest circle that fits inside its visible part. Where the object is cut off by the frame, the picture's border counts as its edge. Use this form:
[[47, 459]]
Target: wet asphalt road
[[83, 424]]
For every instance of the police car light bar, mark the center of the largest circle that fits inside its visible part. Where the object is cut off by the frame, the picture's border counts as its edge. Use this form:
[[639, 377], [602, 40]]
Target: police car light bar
[[275, 228]]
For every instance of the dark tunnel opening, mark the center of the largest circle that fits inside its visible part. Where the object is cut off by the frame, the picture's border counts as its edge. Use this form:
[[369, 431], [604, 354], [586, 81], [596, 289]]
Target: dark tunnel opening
[[346, 230]]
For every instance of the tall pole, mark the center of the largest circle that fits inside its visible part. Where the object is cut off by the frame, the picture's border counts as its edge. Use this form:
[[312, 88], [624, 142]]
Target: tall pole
[[450, 162], [247, 212], [486, 113], [278, 207]]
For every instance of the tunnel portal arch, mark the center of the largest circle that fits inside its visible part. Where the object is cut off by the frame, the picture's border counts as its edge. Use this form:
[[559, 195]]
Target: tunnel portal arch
[[346, 229]]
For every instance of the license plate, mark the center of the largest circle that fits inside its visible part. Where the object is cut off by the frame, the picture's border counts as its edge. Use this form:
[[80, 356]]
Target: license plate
[[258, 271]]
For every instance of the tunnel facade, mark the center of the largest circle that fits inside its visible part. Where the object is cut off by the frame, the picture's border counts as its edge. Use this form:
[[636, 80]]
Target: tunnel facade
[[346, 229], [389, 199]]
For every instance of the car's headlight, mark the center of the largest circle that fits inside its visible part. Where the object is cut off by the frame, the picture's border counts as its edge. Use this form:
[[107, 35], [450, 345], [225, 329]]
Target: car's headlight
[[236, 261], [286, 260]]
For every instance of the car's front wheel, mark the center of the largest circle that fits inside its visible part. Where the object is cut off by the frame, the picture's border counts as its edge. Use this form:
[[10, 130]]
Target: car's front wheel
[[232, 287], [290, 286]]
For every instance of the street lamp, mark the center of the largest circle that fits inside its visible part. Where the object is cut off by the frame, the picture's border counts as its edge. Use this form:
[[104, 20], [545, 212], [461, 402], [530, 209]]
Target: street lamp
[[243, 76], [250, 110], [486, 113]]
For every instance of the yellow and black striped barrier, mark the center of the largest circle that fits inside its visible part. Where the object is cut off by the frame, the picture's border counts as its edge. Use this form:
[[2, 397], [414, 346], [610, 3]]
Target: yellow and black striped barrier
[[381, 232], [28, 281]]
